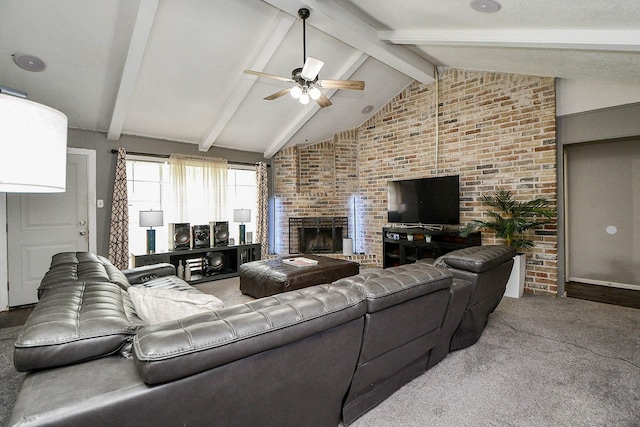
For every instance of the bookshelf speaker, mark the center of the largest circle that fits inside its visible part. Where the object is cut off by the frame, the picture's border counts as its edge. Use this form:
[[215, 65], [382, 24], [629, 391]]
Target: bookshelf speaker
[[201, 236], [220, 233], [179, 236]]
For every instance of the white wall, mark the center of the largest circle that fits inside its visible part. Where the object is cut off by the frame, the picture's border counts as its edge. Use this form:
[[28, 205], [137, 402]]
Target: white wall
[[576, 96], [4, 268]]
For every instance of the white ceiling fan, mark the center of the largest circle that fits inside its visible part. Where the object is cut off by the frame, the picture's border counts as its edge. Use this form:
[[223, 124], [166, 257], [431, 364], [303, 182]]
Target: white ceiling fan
[[307, 86]]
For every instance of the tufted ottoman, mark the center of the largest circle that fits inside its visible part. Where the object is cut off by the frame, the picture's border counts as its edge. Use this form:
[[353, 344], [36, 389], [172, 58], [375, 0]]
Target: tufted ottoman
[[269, 277]]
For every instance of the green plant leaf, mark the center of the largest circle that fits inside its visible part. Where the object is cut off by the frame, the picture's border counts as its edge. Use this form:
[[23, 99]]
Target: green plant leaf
[[510, 218]]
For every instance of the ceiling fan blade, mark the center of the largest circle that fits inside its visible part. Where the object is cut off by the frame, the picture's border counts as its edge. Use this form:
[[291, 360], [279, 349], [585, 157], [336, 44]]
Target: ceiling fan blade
[[323, 101], [311, 68], [341, 84], [270, 76], [277, 95]]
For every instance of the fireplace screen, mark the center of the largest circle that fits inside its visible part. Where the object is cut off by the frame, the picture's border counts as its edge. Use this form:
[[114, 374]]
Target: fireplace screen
[[317, 234]]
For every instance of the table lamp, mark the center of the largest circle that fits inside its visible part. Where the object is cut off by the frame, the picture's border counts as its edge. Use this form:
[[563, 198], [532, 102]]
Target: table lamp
[[151, 219], [242, 216]]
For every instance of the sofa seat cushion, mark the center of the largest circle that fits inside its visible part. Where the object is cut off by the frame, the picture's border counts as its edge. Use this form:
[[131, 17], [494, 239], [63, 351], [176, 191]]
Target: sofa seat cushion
[[194, 344], [73, 323], [477, 259], [157, 305], [74, 267]]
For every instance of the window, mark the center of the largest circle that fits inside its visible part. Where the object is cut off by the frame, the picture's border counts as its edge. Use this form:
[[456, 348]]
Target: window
[[148, 183], [242, 194]]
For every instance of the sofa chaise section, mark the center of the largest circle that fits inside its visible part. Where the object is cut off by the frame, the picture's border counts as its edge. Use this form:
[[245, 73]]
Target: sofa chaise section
[[282, 360]]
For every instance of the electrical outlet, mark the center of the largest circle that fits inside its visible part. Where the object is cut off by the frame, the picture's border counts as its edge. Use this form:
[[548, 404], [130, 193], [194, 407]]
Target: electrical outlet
[[100, 203]]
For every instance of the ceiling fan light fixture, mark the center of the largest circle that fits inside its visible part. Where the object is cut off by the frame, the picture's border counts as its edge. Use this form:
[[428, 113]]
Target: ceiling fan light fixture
[[296, 91], [306, 78], [304, 98], [311, 68], [314, 93]]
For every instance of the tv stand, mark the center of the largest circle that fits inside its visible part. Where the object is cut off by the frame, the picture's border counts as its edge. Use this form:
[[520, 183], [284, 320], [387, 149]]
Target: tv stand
[[407, 244]]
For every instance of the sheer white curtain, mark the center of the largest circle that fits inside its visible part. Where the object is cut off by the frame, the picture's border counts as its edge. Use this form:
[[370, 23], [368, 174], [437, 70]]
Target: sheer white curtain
[[198, 190]]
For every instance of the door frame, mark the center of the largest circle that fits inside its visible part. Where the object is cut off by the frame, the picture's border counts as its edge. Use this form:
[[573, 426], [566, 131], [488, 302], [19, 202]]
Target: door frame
[[91, 194], [4, 266], [600, 125], [92, 226]]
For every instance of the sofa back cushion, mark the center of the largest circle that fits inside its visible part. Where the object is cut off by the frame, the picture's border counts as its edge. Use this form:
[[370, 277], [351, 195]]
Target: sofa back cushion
[[194, 344], [392, 286], [74, 323], [74, 267]]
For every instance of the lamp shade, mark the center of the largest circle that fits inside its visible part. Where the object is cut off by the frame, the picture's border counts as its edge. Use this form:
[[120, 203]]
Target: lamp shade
[[241, 215], [311, 68], [151, 218], [33, 140]]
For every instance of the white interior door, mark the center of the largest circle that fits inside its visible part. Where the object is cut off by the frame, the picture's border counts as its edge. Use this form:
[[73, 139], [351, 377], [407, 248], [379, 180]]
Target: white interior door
[[41, 225]]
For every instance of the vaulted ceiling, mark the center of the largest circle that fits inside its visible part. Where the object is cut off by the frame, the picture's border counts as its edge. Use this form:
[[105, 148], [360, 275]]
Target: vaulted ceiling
[[173, 70]]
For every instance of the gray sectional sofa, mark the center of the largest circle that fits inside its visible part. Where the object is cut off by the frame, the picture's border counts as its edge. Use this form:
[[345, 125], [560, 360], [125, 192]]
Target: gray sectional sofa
[[315, 356]]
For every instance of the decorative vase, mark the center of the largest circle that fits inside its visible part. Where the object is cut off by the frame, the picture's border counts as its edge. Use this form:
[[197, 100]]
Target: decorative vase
[[515, 285], [187, 272], [180, 270]]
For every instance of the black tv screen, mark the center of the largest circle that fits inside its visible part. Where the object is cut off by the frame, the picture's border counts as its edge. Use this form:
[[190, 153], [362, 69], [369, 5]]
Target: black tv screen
[[425, 200]]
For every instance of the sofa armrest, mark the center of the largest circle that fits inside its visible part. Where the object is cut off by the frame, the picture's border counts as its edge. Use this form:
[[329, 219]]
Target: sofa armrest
[[145, 273], [477, 259]]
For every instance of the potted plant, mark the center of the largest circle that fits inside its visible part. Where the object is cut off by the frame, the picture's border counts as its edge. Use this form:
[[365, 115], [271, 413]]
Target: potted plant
[[510, 219]]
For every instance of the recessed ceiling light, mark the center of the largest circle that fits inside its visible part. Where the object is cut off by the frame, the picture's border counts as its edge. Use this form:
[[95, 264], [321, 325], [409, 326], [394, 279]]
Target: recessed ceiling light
[[486, 6], [29, 62], [367, 109]]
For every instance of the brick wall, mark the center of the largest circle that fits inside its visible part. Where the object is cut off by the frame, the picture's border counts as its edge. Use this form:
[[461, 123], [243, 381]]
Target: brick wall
[[496, 130]]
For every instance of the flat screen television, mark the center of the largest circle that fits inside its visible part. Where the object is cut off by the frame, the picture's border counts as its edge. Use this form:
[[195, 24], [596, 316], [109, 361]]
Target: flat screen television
[[425, 201]]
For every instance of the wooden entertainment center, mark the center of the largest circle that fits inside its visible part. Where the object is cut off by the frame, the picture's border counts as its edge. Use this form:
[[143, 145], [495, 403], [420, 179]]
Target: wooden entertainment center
[[232, 257], [406, 244]]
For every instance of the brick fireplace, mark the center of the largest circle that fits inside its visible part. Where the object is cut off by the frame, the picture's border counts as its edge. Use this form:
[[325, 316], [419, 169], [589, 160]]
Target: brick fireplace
[[313, 235]]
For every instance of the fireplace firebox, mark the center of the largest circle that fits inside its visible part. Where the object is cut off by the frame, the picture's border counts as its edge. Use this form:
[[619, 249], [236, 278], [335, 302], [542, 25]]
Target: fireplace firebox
[[317, 234]]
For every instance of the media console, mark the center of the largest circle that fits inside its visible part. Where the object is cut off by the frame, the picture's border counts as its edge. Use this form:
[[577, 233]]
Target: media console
[[206, 264], [406, 244]]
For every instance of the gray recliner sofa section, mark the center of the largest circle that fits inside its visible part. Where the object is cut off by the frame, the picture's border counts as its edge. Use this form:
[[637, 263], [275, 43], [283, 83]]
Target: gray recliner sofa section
[[480, 278], [405, 313], [308, 357]]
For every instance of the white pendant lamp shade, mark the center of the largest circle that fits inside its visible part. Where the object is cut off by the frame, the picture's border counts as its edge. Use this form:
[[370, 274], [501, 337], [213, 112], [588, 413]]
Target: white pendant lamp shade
[[33, 140]]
